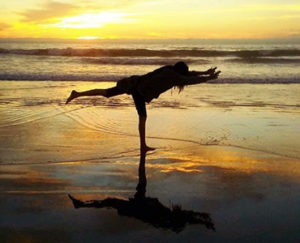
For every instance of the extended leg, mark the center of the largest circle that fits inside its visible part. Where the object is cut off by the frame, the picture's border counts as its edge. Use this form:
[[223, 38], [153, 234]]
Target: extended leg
[[108, 202], [94, 92]]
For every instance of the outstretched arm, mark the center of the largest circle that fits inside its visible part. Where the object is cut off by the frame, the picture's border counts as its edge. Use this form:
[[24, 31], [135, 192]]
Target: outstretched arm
[[207, 72], [200, 79]]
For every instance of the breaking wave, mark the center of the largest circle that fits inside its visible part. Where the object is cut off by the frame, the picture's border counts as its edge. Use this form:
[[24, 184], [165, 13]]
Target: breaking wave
[[195, 52], [140, 61], [103, 78], [281, 60], [59, 77]]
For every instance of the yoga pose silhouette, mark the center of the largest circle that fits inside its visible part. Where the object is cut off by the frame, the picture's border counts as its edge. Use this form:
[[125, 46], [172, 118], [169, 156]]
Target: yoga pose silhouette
[[147, 209], [146, 87]]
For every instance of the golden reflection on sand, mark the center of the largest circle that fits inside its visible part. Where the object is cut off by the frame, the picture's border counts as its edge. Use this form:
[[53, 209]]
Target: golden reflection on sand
[[194, 159]]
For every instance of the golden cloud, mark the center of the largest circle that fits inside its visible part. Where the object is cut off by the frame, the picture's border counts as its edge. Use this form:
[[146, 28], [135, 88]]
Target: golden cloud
[[50, 11], [4, 26]]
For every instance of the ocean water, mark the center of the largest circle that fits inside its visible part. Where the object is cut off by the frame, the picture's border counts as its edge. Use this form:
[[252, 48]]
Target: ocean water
[[104, 60]]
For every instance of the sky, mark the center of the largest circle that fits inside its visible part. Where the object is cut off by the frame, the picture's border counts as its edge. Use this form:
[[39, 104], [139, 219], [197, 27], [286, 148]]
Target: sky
[[149, 19]]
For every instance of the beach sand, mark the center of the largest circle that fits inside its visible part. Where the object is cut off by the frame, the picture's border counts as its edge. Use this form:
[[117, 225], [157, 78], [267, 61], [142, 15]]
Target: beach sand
[[231, 150]]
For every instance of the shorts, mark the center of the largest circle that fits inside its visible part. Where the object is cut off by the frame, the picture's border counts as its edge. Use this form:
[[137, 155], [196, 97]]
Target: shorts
[[139, 100], [140, 103]]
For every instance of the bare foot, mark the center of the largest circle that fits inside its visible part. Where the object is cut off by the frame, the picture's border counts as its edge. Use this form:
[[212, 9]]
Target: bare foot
[[145, 149], [77, 203], [73, 95]]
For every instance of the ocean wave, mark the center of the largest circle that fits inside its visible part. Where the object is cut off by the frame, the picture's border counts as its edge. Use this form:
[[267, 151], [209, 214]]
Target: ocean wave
[[94, 52], [103, 78], [140, 61], [295, 80], [58, 77], [265, 60]]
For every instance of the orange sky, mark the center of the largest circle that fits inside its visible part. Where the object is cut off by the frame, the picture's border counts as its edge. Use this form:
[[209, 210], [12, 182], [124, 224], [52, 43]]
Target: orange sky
[[150, 19]]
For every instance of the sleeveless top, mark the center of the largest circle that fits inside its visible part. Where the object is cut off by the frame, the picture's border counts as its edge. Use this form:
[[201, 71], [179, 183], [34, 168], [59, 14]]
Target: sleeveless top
[[152, 84]]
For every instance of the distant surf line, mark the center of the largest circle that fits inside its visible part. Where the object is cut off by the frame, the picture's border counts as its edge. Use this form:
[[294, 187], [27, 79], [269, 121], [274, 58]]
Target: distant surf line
[[114, 78], [193, 52]]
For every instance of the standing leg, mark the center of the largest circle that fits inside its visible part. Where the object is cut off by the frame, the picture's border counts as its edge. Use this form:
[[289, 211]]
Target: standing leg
[[94, 92], [140, 106]]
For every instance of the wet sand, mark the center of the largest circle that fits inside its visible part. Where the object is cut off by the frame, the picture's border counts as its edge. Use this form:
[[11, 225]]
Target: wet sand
[[229, 150]]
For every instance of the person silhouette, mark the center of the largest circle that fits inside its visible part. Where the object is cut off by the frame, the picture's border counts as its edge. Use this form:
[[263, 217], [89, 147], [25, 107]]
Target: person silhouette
[[147, 209], [145, 88]]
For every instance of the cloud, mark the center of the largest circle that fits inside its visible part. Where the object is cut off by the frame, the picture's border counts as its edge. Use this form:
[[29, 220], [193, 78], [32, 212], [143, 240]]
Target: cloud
[[51, 10], [54, 11], [294, 34], [112, 4], [4, 26]]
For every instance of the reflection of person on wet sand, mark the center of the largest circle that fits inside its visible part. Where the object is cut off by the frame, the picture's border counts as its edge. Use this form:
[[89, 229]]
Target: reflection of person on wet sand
[[146, 87], [147, 209]]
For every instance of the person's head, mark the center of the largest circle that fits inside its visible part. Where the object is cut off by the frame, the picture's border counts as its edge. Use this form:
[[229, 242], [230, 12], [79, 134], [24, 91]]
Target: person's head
[[181, 68], [179, 218]]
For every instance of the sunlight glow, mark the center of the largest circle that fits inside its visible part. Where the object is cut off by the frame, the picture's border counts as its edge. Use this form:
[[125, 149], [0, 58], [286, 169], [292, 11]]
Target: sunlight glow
[[88, 38], [90, 20], [144, 19]]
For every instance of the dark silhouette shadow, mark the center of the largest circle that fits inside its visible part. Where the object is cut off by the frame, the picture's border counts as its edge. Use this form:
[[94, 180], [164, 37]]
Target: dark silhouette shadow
[[149, 210]]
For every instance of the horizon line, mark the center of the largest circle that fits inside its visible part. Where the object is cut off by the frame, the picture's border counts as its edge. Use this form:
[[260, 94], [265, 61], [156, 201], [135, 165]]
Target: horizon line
[[138, 39], [285, 40]]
